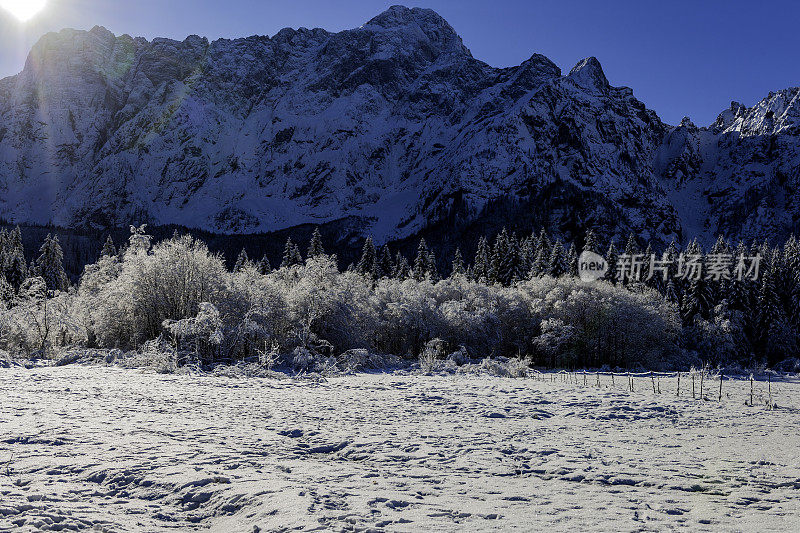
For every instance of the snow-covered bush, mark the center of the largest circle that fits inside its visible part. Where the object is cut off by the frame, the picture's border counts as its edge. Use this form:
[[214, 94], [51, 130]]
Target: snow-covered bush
[[167, 282], [201, 334], [434, 352]]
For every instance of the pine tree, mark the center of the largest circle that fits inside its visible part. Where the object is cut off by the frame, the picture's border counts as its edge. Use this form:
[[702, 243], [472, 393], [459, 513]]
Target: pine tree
[[612, 258], [480, 268], [631, 247], [367, 265], [431, 270], [572, 261], [315, 248], [50, 265], [297, 257], [109, 250], [648, 253], [590, 244], [526, 257], [263, 266], [241, 261], [557, 265], [402, 270], [541, 256], [421, 262], [291, 255], [458, 264], [14, 266], [386, 264], [503, 258]]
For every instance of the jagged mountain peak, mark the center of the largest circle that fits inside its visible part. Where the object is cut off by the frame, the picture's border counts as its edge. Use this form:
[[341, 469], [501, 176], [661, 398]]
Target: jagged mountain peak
[[408, 21], [588, 73]]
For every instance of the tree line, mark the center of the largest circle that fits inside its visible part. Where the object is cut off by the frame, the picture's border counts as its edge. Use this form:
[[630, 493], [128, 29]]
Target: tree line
[[721, 318]]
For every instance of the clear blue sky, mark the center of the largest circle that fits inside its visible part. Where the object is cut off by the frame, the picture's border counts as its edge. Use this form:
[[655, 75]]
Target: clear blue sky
[[681, 57]]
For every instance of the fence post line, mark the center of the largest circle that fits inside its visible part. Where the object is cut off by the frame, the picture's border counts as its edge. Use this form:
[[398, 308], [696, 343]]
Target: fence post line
[[751, 390], [769, 382], [702, 378], [653, 381], [679, 384], [720, 386]]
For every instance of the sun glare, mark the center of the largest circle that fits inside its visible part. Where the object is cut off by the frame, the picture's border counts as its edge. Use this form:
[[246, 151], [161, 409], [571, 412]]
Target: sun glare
[[23, 10]]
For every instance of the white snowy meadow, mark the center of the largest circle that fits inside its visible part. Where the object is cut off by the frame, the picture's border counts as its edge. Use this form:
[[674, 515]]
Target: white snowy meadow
[[110, 449]]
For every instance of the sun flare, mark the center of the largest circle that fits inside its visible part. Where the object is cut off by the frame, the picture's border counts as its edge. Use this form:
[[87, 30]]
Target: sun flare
[[23, 10]]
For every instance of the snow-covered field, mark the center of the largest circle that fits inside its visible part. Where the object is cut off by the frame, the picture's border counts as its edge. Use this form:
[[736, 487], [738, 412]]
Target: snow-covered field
[[124, 450]]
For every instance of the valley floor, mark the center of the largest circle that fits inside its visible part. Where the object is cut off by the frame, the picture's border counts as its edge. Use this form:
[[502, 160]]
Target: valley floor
[[124, 450]]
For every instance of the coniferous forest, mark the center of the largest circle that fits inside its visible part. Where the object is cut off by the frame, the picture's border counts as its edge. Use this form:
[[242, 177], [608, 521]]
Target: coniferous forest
[[517, 297]]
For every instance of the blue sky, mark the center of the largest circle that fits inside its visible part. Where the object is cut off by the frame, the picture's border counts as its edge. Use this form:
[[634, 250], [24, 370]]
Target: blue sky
[[680, 57]]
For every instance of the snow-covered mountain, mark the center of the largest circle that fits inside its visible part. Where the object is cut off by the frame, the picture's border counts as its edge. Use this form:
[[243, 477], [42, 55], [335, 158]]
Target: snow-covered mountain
[[393, 127]]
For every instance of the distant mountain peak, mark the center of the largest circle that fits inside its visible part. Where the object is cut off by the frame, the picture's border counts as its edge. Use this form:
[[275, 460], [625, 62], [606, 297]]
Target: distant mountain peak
[[588, 73]]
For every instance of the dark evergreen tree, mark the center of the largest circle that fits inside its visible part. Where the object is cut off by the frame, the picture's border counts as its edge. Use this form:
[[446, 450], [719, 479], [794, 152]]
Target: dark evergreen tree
[[526, 257], [264, 266], [386, 264], [501, 268], [572, 261], [50, 265], [13, 264], [612, 258], [480, 268], [368, 263], [591, 244], [109, 250], [421, 262], [402, 269], [241, 261], [458, 265], [557, 265], [291, 255], [315, 248]]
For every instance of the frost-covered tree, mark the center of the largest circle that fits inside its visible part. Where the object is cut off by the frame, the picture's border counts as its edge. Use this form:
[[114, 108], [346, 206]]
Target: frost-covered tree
[[423, 262], [572, 261], [402, 269]]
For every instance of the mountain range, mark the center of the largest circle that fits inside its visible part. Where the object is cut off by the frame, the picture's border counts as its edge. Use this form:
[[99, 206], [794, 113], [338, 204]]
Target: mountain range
[[392, 129]]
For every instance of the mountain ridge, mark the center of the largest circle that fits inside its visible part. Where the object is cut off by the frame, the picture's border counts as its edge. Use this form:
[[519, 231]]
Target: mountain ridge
[[394, 124]]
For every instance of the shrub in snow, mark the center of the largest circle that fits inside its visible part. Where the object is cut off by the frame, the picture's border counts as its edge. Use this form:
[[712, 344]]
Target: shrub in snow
[[201, 334], [360, 359], [505, 367], [459, 357], [429, 358]]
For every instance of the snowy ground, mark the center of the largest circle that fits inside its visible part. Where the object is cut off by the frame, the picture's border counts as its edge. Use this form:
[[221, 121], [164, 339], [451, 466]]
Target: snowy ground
[[125, 450]]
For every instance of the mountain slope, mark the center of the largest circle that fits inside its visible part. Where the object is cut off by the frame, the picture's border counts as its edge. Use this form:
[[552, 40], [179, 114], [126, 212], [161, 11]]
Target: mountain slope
[[393, 126]]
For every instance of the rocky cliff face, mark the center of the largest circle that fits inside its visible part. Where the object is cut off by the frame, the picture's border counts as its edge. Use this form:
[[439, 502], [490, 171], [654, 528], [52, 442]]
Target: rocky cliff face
[[392, 126]]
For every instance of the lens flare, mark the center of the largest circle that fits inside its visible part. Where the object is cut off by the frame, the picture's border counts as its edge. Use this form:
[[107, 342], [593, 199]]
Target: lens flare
[[23, 10]]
